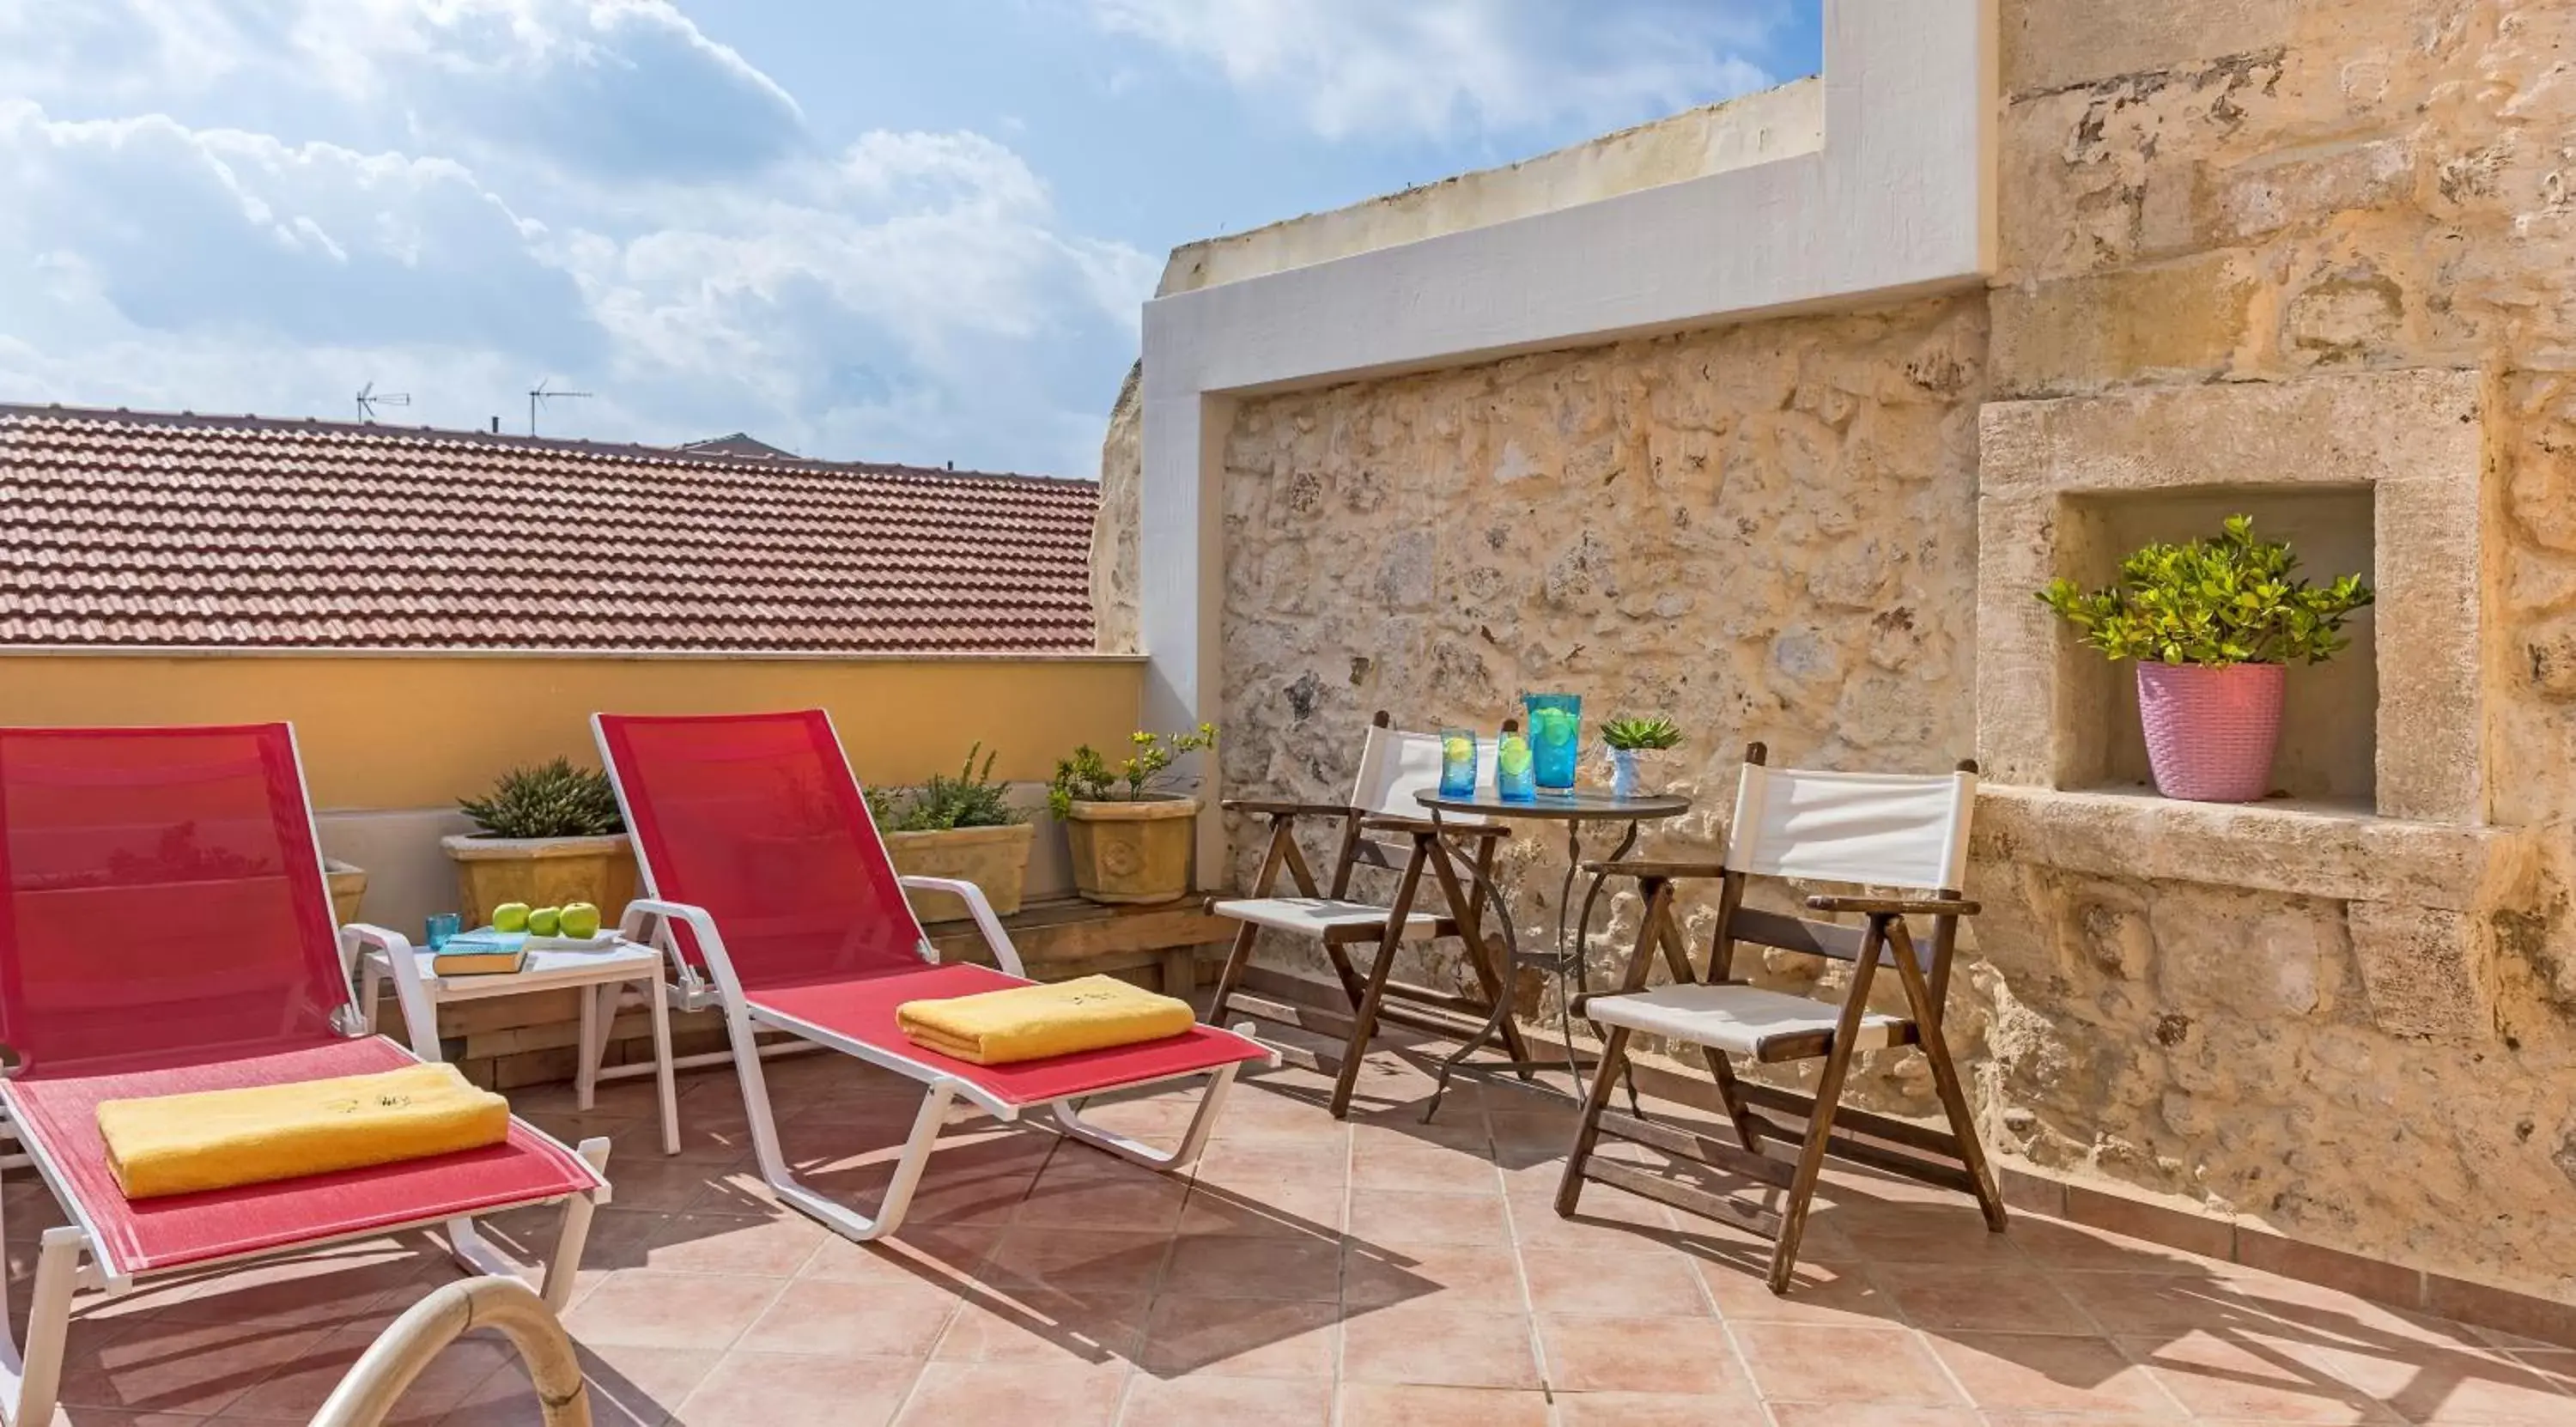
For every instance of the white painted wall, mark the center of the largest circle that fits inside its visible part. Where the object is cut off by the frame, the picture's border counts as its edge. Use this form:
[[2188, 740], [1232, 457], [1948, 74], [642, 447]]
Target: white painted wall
[[1899, 199]]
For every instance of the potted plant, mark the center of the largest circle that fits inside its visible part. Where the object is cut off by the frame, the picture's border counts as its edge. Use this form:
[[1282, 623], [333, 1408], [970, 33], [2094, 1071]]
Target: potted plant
[[545, 835], [2212, 624], [962, 827], [1629, 739], [1130, 836]]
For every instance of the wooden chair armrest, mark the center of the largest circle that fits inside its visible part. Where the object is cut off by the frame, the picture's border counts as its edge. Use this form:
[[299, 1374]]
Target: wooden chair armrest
[[1640, 867], [1391, 823], [1269, 808], [1895, 906]]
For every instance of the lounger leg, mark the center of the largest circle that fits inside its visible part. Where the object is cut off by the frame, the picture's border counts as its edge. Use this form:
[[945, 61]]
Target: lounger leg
[[565, 1266], [28, 1383], [659, 1008], [849, 1223], [465, 1238], [1068, 1118], [594, 1049]]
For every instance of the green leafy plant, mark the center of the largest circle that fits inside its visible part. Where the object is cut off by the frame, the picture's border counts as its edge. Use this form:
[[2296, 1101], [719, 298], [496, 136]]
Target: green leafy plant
[[1088, 777], [1641, 733], [548, 800], [2231, 599], [970, 799]]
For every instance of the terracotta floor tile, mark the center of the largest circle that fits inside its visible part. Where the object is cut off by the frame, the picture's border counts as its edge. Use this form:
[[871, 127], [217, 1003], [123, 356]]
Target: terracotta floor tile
[[1737, 1408], [628, 1387], [2153, 1303], [937, 1253], [1044, 1326], [1137, 1202], [1884, 1414], [2054, 1244], [1289, 1211], [1391, 1159], [1054, 1395], [1241, 1337], [1943, 1297], [667, 1185], [1632, 1285], [1079, 1260], [183, 1367], [2445, 1385], [1204, 1401], [1483, 1274], [1607, 1220], [351, 1286], [1436, 1344], [1818, 1293], [1261, 1164], [772, 1246], [297, 1389], [2230, 1377], [1638, 1354], [1408, 1217], [1925, 1233], [899, 1317], [1800, 1363], [2031, 1372], [799, 1390], [1226, 1266], [1386, 1405], [647, 1308]]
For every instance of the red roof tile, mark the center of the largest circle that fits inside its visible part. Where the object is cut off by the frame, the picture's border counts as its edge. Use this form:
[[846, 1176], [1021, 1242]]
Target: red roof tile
[[142, 529]]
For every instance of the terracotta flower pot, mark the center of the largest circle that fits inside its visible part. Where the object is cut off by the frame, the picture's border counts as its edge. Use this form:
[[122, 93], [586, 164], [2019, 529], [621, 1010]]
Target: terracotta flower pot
[[2211, 731], [348, 890], [995, 859], [1132, 851], [542, 872]]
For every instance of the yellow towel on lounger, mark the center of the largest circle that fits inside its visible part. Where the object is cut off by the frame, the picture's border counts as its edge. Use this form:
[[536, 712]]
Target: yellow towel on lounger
[[217, 1139], [1033, 1022]]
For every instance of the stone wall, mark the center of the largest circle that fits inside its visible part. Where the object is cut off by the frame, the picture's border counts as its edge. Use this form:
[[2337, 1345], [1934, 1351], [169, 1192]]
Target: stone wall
[[2354, 1024]]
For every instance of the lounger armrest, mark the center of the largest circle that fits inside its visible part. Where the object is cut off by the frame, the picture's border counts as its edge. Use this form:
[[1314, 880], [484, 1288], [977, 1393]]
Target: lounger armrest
[[1389, 823], [630, 927], [420, 1018], [1266, 808], [1895, 906], [1642, 867], [1007, 955]]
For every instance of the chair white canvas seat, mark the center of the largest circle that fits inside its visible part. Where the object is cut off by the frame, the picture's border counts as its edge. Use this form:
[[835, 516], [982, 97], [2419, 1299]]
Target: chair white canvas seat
[[1738, 1019], [1322, 916]]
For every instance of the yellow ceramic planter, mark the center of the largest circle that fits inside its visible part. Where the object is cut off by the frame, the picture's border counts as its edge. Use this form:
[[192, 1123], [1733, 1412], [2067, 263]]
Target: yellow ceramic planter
[[995, 859], [542, 872], [1132, 852], [348, 890]]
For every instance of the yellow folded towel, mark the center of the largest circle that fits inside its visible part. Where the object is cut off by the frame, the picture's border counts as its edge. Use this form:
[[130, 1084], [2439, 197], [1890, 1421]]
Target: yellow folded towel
[[1033, 1022], [217, 1139]]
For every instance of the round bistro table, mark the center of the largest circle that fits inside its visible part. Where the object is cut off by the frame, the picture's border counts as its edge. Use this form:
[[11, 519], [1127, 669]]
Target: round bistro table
[[1574, 809]]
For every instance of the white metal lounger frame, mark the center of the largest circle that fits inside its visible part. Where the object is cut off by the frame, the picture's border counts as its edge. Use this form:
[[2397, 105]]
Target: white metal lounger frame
[[650, 916], [31, 1373]]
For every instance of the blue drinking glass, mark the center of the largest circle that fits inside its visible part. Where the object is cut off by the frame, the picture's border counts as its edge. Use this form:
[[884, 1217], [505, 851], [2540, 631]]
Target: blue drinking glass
[[1513, 770], [1457, 763], [1556, 737], [443, 925]]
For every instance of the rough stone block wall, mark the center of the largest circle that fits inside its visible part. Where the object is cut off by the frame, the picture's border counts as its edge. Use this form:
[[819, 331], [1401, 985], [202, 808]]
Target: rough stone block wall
[[2357, 1032]]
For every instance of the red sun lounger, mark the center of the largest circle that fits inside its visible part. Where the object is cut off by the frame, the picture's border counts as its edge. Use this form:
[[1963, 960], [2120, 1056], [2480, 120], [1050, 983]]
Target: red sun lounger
[[164, 928], [764, 873]]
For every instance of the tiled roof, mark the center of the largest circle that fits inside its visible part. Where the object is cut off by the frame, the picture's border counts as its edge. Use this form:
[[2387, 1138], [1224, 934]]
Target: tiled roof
[[138, 529]]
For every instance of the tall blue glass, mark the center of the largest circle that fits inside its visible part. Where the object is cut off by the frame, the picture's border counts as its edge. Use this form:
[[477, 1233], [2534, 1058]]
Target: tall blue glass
[[1556, 737], [1513, 769], [1457, 763]]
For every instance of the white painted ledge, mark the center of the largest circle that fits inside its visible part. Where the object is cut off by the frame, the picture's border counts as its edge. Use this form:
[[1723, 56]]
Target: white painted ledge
[[1900, 199]]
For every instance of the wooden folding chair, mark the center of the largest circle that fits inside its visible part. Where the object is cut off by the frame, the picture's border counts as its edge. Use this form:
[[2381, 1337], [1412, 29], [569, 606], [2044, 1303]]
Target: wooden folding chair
[[1876, 831], [1381, 827]]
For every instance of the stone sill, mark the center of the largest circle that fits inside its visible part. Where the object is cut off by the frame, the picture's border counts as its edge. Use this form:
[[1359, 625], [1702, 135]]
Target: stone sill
[[2324, 850]]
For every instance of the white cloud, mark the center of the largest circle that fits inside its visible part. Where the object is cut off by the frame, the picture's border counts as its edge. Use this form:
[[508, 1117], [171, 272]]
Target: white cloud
[[1439, 67], [397, 207]]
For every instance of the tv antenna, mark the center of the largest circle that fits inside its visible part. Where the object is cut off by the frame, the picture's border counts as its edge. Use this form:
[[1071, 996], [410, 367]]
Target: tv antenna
[[539, 394], [369, 399]]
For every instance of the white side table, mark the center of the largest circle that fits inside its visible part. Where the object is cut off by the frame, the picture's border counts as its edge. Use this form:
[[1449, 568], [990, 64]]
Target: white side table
[[597, 975]]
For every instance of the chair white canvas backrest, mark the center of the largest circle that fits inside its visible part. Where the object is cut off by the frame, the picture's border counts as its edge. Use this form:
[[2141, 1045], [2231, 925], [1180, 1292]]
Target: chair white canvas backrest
[[1395, 765], [1881, 829]]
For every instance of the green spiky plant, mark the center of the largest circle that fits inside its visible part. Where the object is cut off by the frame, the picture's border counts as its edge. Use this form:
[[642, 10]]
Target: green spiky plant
[[1087, 777], [547, 800], [1639, 734], [970, 799], [2231, 599]]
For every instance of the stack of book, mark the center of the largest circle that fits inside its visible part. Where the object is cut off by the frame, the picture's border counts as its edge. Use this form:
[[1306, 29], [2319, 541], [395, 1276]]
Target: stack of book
[[481, 953]]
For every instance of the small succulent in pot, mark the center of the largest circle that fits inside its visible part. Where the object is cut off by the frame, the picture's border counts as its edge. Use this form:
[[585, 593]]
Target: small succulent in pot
[[1630, 737], [547, 800]]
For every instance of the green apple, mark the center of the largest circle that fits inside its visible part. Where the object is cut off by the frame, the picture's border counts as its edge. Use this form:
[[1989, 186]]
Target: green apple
[[510, 917], [580, 921], [545, 921]]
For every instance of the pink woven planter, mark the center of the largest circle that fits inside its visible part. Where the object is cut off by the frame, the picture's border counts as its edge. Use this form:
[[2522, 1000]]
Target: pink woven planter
[[2211, 731]]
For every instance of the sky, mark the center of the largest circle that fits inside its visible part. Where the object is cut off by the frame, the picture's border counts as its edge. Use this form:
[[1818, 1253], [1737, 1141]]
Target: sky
[[891, 230]]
